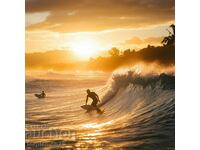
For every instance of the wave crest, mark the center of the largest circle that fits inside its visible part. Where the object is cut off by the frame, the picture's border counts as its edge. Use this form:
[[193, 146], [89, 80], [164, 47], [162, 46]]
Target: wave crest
[[120, 80]]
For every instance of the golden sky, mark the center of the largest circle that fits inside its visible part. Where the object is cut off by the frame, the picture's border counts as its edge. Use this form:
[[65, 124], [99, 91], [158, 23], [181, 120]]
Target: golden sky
[[88, 26]]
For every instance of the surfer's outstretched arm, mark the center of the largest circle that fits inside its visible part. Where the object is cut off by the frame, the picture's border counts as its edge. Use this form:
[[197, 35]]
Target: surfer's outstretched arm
[[86, 100]]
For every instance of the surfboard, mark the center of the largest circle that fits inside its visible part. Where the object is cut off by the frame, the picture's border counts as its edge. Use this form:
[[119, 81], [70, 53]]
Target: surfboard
[[39, 96], [90, 108]]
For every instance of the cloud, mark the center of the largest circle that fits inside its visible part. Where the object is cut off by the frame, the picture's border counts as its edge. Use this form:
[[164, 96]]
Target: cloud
[[34, 18], [143, 41], [90, 15]]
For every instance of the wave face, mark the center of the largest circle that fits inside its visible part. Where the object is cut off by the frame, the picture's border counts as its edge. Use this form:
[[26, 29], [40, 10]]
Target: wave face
[[139, 114]]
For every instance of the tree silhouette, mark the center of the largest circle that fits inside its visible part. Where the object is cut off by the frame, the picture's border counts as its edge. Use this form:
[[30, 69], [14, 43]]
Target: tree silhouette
[[169, 40], [127, 52], [114, 52]]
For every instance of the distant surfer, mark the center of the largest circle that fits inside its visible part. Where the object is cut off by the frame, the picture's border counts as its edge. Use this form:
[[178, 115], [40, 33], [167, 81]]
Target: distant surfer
[[41, 95], [93, 96]]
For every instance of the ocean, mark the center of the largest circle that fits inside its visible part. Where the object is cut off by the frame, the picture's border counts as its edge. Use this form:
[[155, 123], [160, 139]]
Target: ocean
[[139, 111]]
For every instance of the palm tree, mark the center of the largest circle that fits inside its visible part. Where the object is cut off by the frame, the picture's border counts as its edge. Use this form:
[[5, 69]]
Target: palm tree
[[169, 40]]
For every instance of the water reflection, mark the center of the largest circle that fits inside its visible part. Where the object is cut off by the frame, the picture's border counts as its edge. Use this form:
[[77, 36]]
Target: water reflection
[[96, 125], [91, 136]]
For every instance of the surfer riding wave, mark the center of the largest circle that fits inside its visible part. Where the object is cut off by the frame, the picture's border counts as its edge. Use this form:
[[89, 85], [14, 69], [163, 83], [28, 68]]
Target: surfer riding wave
[[95, 100], [93, 96]]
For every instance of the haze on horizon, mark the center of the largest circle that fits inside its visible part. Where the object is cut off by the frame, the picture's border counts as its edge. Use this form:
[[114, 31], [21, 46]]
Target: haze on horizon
[[89, 27]]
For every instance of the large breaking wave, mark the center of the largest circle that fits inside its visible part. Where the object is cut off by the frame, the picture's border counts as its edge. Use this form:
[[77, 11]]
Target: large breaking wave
[[143, 108]]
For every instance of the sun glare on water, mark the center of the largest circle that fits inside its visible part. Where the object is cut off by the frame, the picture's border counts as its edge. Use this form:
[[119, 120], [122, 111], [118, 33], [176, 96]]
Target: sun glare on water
[[97, 125], [85, 48]]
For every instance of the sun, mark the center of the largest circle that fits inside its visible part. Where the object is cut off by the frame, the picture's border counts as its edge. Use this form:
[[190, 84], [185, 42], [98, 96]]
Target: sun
[[85, 48]]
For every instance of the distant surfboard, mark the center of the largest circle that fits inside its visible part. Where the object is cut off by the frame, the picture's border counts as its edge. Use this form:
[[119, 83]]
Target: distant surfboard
[[39, 96]]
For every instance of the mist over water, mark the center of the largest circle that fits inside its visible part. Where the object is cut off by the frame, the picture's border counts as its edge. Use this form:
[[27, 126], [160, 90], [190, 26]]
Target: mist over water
[[139, 111]]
